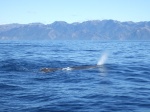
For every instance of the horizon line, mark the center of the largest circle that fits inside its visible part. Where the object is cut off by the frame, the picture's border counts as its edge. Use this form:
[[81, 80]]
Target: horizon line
[[71, 22]]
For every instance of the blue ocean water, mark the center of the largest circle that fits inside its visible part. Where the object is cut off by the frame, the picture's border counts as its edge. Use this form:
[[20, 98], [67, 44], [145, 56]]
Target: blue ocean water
[[121, 84]]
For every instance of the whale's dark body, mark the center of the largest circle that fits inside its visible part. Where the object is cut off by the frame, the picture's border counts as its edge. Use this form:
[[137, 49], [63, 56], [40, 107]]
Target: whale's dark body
[[70, 68]]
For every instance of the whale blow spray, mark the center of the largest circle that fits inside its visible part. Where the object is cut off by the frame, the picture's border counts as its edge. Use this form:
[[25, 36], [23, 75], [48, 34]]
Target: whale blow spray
[[103, 59]]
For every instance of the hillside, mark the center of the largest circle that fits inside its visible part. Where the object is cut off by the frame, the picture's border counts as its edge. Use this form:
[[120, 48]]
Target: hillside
[[88, 30]]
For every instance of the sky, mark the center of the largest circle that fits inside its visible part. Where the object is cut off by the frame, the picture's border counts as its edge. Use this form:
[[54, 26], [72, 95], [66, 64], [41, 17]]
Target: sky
[[49, 11]]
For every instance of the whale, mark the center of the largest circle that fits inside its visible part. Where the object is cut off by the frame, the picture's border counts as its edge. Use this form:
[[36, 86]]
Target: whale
[[100, 63], [82, 67]]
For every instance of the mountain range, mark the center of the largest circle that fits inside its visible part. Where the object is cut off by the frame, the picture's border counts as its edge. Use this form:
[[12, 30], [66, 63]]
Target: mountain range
[[87, 30]]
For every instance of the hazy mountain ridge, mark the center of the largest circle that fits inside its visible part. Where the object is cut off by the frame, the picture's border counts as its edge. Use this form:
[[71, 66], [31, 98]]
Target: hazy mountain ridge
[[88, 30]]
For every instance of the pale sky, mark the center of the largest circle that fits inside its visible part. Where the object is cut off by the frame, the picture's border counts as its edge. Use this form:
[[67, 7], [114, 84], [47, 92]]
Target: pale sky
[[48, 11]]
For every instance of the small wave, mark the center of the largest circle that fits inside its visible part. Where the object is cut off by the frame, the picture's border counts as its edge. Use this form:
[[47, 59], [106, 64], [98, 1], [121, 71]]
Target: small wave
[[5, 86], [15, 65]]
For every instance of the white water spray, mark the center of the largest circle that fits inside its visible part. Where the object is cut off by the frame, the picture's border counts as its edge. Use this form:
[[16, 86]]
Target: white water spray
[[67, 68], [103, 59]]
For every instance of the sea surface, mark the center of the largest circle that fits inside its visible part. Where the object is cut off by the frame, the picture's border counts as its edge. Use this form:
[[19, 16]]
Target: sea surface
[[120, 84]]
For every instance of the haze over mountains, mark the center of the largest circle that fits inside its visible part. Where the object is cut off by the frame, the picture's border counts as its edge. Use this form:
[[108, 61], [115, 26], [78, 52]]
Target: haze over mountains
[[88, 30]]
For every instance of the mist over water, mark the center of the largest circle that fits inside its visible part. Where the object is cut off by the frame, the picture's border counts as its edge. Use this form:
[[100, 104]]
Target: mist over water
[[103, 59], [24, 88]]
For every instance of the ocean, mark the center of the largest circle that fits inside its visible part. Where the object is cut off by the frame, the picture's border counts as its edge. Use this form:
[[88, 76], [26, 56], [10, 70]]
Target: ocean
[[120, 84]]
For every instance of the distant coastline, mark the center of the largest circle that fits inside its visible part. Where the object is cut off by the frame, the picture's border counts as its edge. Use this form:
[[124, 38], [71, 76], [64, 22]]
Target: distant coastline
[[87, 30]]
